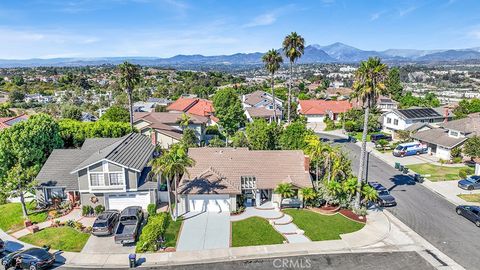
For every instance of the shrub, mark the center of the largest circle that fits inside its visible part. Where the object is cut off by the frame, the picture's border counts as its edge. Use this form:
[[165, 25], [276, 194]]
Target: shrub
[[99, 209], [78, 225], [456, 152], [152, 232], [70, 223], [152, 209], [457, 160], [350, 126], [87, 210], [462, 173]]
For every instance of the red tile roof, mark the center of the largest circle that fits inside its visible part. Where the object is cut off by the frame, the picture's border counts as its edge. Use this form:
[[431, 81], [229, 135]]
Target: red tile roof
[[196, 106], [182, 104], [310, 107]]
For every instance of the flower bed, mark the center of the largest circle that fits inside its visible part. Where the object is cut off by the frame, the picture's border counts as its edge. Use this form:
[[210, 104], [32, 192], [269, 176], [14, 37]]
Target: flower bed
[[351, 215]]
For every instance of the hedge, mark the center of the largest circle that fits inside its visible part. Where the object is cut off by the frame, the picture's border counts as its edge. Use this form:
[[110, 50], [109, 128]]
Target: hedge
[[152, 232]]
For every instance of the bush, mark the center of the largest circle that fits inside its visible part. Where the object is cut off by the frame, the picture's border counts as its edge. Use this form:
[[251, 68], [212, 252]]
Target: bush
[[152, 232], [78, 226], [152, 209], [463, 172], [87, 210], [99, 209], [70, 223], [350, 126], [457, 160], [212, 130]]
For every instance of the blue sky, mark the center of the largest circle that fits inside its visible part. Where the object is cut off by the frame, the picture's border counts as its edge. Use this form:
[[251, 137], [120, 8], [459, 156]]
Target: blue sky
[[163, 28]]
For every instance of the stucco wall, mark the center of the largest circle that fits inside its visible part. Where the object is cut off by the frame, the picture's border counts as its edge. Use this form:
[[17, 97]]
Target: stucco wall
[[443, 153], [85, 199]]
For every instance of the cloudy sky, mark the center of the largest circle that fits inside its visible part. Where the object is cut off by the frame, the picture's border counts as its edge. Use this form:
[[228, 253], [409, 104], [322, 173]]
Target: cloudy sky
[[163, 28]]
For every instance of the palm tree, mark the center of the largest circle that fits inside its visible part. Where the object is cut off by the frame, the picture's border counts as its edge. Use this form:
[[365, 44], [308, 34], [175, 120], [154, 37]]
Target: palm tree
[[285, 190], [293, 47], [160, 167], [369, 83], [318, 151], [129, 78], [350, 187], [369, 194], [272, 60], [308, 195]]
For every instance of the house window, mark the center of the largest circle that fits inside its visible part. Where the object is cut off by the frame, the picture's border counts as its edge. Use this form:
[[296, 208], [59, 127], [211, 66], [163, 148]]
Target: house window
[[97, 179], [395, 122], [116, 179], [389, 120], [453, 133], [248, 182]]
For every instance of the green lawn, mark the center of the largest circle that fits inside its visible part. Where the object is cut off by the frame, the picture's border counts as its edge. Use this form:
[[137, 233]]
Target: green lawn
[[61, 238], [470, 197], [439, 173], [171, 234], [320, 227], [254, 231], [358, 135], [11, 217]]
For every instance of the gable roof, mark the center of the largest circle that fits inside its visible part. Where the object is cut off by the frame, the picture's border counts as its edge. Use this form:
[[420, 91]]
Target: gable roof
[[418, 113], [168, 117], [261, 112], [195, 106], [258, 96], [314, 107], [470, 124], [438, 136]]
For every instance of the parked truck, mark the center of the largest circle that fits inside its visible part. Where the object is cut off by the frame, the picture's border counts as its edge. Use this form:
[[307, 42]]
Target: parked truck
[[127, 229]]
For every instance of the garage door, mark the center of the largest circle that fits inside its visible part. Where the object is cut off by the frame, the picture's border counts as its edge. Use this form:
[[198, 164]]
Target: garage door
[[124, 200], [209, 203]]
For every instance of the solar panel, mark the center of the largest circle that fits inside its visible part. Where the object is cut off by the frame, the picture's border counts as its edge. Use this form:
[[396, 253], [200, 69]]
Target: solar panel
[[420, 113]]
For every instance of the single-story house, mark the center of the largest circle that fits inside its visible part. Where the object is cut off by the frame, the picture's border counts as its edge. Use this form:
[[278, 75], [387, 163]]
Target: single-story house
[[223, 178], [401, 119], [449, 135], [164, 127], [112, 172], [316, 110]]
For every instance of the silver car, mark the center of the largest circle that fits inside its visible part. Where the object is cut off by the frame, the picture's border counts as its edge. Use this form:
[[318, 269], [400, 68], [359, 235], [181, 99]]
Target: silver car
[[470, 183]]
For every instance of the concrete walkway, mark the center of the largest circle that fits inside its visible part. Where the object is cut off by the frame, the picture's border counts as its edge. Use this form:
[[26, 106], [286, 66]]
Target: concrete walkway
[[279, 221]]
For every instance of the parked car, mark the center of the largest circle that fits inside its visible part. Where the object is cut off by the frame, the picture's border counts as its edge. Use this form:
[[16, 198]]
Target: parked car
[[32, 259], [409, 149], [376, 137], [291, 203], [470, 183], [127, 228], [384, 196], [2, 246], [105, 223], [470, 212]]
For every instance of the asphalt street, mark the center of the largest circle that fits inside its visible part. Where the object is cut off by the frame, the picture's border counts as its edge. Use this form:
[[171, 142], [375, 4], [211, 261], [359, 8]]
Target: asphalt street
[[424, 211], [347, 261]]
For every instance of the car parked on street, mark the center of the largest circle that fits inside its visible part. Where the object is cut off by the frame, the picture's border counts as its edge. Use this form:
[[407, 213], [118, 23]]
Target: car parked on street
[[380, 136], [384, 196], [409, 149], [32, 259], [105, 223], [470, 183], [127, 229], [470, 212]]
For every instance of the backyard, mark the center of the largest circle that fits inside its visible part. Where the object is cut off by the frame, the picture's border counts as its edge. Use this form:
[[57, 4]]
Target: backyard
[[11, 217], [60, 238], [254, 231], [439, 173], [319, 227], [470, 197]]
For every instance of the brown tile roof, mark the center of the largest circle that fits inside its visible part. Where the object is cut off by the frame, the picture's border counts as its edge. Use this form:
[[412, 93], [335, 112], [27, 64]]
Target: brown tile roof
[[168, 117], [261, 112], [438, 136], [219, 170], [309, 107], [255, 97], [468, 125]]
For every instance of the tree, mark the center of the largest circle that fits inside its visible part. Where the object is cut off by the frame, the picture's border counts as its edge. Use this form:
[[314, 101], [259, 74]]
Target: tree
[[285, 190], [293, 137], [308, 195], [272, 60], [393, 84], [293, 47], [74, 132], [24, 148], [263, 136], [189, 138], [368, 85], [116, 114], [471, 147], [16, 95], [239, 139], [369, 194], [129, 78], [18, 80], [318, 152], [216, 142], [184, 121], [228, 109], [5, 110], [71, 112]]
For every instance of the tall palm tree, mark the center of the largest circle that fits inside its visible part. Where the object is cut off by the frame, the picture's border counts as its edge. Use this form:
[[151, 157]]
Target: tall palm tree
[[272, 60], [285, 190], [369, 83], [293, 47], [129, 78], [318, 151], [160, 168]]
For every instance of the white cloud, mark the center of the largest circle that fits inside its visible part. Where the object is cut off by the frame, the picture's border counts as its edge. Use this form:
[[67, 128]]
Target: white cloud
[[269, 17], [474, 33], [405, 11], [376, 15]]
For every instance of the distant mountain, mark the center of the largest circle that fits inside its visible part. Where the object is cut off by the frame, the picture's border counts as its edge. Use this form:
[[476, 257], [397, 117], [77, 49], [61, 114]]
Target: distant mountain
[[333, 53]]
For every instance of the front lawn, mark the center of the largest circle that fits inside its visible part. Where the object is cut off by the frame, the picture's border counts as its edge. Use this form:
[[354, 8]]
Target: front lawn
[[470, 197], [254, 231], [172, 231], [11, 217], [320, 227], [60, 238], [439, 173]]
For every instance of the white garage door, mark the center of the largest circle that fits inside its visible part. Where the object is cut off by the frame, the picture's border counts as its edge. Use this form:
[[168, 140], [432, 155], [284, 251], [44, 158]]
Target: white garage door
[[315, 118], [209, 203], [124, 200]]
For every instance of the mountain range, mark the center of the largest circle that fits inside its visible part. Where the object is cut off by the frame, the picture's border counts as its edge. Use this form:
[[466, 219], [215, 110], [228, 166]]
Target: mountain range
[[333, 53]]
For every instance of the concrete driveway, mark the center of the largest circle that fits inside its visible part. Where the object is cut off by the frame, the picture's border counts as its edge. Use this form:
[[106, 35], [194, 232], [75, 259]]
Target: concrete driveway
[[105, 245], [205, 230]]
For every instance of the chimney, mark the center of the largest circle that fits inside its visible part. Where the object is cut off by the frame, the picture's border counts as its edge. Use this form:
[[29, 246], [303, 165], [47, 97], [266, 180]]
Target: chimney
[[446, 113], [306, 163], [153, 137]]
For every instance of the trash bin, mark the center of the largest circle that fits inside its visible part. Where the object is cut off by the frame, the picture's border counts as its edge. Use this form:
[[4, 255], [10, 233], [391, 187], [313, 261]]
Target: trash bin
[[132, 260], [418, 178], [397, 165], [400, 167], [405, 170]]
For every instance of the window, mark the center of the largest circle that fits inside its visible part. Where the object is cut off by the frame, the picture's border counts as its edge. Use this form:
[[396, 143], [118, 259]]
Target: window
[[389, 120], [116, 179], [248, 182], [97, 179], [453, 133], [395, 122]]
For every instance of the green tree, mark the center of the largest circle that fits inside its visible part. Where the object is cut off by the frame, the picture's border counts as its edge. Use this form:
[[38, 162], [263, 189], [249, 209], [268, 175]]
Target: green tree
[[5, 110], [228, 109], [293, 47], [74, 132], [272, 60], [285, 190], [189, 138], [368, 85], [184, 121], [393, 84], [116, 114], [16, 95], [319, 153], [239, 139], [471, 147], [262, 136], [71, 112], [308, 195], [129, 78], [294, 135], [216, 142], [18, 80], [369, 194]]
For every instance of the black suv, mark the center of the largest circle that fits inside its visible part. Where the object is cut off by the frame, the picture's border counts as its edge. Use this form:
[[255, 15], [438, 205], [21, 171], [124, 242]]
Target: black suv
[[384, 197], [377, 137], [105, 223], [32, 259], [470, 212]]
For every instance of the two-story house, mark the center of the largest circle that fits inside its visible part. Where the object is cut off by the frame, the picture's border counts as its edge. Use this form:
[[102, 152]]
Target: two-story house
[[112, 172], [449, 135], [259, 104], [396, 119]]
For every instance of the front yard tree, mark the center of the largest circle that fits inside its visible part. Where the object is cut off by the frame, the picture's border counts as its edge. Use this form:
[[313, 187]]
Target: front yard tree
[[368, 85], [393, 84], [285, 190], [369, 194], [20, 181], [293, 137], [116, 114], [228, 109], [308, 195], [262, 135], [293, 47], [471, 147], [272, 60], [129, 78]]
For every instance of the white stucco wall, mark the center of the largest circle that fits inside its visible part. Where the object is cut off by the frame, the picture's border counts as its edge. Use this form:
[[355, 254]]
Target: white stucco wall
[[402, 125], [477, 169]]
